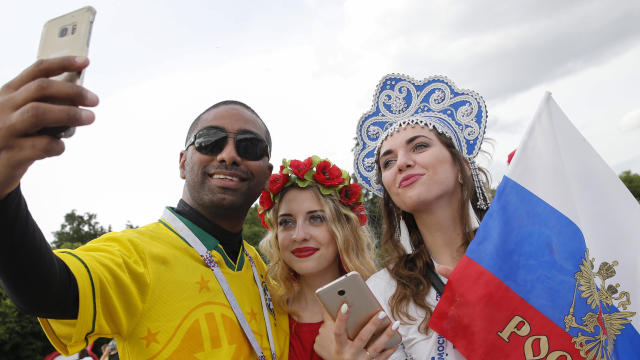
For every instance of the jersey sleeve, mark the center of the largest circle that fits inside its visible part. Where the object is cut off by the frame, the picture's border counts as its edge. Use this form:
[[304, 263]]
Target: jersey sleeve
[[113, 282]]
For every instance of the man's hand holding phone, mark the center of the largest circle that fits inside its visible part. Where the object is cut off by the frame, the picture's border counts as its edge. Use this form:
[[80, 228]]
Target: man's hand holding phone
[[32, 102]]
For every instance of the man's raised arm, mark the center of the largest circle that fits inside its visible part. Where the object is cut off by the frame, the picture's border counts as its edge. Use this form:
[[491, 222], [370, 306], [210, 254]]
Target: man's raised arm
[[36, 280]]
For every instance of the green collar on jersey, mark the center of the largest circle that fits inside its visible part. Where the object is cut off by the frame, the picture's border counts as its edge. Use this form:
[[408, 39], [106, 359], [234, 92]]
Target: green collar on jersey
[[210, 242]]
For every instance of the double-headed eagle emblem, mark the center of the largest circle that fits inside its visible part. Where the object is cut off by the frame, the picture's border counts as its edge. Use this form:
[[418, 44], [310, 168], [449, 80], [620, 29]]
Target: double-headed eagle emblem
[[600, 296]]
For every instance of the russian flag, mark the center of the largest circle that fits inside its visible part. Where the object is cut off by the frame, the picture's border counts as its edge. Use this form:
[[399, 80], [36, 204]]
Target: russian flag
[[554, 270]]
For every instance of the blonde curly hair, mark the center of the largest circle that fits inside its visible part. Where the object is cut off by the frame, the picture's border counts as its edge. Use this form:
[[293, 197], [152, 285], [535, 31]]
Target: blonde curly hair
[[354, 242]]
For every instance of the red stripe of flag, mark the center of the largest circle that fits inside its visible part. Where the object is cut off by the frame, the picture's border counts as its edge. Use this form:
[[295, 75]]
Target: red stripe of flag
[[477, 312]]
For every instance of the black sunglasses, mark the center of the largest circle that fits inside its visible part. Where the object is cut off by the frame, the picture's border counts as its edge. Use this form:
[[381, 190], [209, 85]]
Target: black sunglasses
[[212, 140]]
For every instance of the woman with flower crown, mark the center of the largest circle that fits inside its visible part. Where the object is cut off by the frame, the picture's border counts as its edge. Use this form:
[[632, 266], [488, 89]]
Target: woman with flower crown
[[315, 219], [416, 149]]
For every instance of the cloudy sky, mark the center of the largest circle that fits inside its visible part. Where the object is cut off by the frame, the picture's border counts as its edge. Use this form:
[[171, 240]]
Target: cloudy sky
[[310, 68]]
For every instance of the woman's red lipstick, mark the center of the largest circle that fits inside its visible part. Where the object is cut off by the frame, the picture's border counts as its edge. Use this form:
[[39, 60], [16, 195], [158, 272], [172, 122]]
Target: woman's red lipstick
[[304, 251], [409, 179]]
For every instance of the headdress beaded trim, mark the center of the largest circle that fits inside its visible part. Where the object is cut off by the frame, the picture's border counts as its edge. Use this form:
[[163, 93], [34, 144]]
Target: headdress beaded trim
[[330, 179], [401, 101]]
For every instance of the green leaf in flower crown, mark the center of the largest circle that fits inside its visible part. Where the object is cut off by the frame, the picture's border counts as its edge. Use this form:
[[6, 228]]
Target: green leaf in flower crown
[[289, 181], [303, 183], [345, 176], [326, 190], [309, 174], [315, 160], [286, 169]]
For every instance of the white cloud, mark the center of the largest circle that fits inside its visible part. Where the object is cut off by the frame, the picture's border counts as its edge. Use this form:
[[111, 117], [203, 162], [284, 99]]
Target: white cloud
[[630, 121], [310, 68], [498, 48]]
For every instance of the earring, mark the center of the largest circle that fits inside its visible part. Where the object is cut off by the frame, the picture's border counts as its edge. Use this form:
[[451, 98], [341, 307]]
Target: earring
[[473, 218], [460, 178]]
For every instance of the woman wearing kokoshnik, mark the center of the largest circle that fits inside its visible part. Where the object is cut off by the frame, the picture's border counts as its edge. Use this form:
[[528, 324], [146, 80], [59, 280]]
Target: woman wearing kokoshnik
[[315, 219], [416, 148]]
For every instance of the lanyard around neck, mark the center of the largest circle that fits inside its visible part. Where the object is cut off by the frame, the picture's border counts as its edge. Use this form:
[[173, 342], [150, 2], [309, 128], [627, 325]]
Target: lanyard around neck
[[195, 243], [435, 281]]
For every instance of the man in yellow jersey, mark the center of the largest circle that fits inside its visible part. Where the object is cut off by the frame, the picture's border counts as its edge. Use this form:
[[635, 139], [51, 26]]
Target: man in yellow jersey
[[184, 287]]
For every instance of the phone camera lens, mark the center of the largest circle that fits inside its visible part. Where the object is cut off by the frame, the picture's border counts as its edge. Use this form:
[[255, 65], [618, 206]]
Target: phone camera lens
[[63, 32], [341, 292]]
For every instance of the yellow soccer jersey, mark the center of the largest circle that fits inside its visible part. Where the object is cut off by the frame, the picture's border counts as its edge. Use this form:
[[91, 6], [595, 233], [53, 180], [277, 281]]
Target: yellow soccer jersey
[[151, 291]]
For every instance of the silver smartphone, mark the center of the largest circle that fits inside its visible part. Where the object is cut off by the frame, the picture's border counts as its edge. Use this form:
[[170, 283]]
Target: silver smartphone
[[67, 35], [363, 305]]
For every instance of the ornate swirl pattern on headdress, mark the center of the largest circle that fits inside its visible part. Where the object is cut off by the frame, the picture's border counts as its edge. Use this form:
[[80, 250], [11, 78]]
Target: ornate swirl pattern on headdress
[[400, 101]]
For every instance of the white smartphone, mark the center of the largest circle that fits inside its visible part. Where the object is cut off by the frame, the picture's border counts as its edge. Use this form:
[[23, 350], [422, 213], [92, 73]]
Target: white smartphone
[[67, 35], [363, 305]]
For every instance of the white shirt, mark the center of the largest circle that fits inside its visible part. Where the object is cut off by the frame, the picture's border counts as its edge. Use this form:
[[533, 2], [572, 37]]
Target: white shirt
[[416, 344]]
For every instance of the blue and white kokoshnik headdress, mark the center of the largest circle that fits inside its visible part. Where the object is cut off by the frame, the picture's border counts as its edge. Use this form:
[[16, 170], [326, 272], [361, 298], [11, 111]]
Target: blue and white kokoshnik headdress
[[400, 101]]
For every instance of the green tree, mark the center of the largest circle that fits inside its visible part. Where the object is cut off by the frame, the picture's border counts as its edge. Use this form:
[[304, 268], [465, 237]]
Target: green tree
[[492, 192], [252, 230], [77, 230], [20, 334], [632, 181], [374, 222], [371, 204]]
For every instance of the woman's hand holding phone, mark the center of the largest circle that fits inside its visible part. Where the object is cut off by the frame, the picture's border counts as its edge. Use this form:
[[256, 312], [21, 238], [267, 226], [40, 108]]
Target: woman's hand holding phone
[[332, 341], [444, 270]]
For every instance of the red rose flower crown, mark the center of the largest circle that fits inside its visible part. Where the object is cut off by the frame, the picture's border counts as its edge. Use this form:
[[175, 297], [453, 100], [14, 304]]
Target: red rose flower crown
[[329, 178]]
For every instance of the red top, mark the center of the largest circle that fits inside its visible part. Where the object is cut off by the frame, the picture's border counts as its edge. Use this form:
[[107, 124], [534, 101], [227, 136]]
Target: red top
[[301, 339]]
